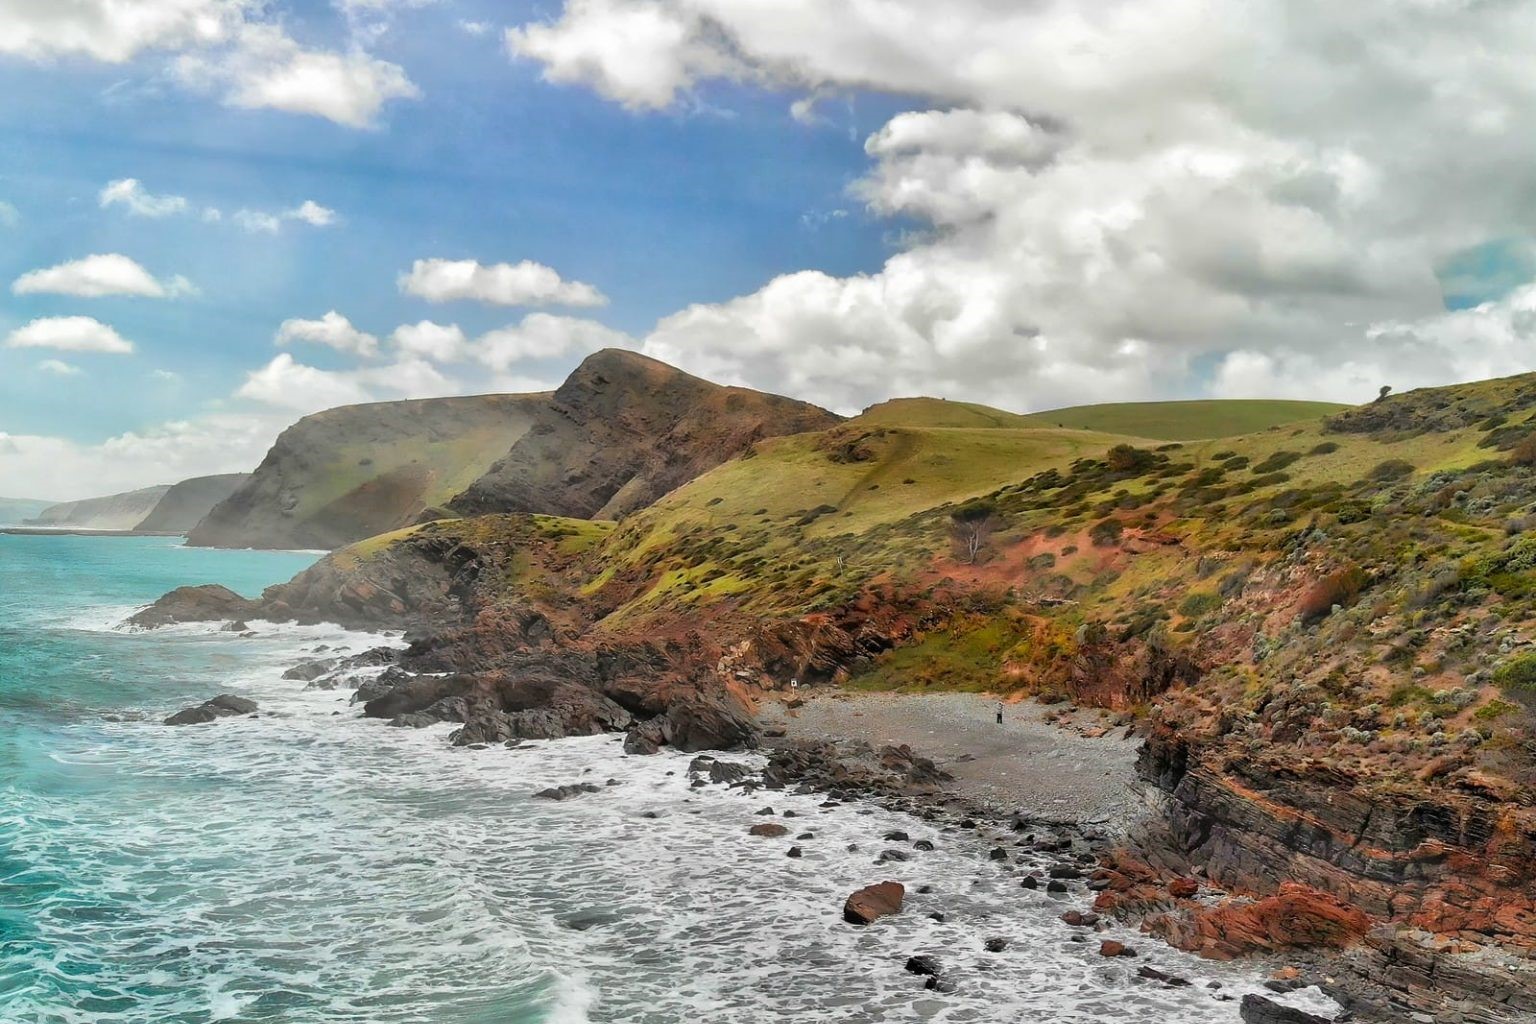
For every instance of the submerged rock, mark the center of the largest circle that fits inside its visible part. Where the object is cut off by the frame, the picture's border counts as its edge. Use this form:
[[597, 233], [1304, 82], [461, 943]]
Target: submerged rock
[[223, 706], [567, 792]]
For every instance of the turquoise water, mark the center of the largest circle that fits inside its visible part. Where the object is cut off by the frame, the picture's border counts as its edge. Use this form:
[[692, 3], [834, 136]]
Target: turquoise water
[[306, 866]]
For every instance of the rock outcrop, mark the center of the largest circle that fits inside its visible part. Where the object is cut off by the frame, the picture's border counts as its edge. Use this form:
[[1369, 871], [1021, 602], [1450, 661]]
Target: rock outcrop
[[207, 603], [873, 902]]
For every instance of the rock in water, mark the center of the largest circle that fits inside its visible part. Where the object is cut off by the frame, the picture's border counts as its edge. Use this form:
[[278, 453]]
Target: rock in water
[[644, 738], [1258, 1010], [770, 830], [707, 723], [566, 792], [223, 706], [873, 902], [209, 603]]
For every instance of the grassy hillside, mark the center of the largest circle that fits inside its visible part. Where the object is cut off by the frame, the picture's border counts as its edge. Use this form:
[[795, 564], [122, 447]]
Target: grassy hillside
[[937, 412], [1185, 421]]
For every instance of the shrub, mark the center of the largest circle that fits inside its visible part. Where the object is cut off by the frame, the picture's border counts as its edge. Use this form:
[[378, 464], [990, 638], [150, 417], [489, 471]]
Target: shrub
[[1198, 603], [1124, 458], [1391, 469], [1524, 453], [1276, 462], [1340, 587], [1518, 673], [1326, 448], [1106, 533]]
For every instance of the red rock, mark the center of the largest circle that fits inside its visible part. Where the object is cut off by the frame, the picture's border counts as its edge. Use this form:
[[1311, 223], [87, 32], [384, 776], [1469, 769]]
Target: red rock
[[1111, 948], [1183, 888], [769, 829], [873, 902]]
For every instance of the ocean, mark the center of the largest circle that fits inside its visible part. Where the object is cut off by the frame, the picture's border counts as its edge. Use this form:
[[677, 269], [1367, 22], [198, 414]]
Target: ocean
[[307, 865]]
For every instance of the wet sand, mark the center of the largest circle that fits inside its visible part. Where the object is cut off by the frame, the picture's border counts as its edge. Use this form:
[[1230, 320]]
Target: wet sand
[[1025, 764]]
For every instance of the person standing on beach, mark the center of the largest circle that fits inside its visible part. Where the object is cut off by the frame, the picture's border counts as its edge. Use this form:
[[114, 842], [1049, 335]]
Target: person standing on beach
[[999, 712]]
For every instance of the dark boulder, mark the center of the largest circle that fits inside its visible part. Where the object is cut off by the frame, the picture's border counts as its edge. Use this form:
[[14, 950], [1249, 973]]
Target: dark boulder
[[927, 966], [644, 738], [570, 710], [223, 706], [309, 671], [708, 723], [567, 792], [1256, 1009], [207, 603], [380, 685]]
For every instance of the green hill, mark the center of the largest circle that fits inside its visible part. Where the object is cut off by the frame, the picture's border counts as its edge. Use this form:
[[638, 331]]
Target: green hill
[[1185, 421]]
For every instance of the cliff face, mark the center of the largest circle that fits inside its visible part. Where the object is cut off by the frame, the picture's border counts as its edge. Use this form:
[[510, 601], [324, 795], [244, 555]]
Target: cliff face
[[353, 472], [622, 431], [185, 504], [114, 512]]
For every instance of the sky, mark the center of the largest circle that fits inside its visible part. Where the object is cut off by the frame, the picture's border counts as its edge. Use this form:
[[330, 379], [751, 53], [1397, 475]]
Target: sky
[[217, 216]]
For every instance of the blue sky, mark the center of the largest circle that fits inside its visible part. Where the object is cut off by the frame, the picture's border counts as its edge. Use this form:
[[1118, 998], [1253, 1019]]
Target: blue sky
[[657, 210], [1011, 204]]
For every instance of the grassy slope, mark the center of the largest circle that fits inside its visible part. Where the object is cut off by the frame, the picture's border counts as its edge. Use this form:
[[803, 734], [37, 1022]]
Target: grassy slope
[[1184, 421]]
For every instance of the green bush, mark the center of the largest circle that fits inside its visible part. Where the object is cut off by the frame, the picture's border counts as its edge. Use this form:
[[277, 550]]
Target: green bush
[[1276, 462], [1391, 469], [1106, 533], [1198, 603], [1326, 448], [1518, 673]]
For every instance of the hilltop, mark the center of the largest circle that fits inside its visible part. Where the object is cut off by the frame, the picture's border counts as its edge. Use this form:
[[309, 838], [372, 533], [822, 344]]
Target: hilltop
[[14, 511], [1185, 421]]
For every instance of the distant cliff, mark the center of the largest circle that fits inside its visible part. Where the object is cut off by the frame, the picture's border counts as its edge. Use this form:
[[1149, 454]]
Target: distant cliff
[[186, 504], [114, 512], [349, 473], [15, 511]]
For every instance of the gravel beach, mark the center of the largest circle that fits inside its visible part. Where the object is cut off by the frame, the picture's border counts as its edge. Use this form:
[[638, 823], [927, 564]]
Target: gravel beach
[[1025, 764]]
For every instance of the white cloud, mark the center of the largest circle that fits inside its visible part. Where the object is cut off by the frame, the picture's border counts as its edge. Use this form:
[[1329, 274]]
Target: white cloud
[[237, 48], [308, 212], [286, 383], [1107, 203], [69, 334], [332, 330], [266, 69], [100, 275], [109, 30], [428, 340], [545, 336], [63, 470], [502, 284], [59, 368], [130, 193], [9, 215]]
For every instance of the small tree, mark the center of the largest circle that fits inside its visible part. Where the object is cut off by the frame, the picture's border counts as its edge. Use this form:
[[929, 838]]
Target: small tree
[[1386, 389], [971, 528]]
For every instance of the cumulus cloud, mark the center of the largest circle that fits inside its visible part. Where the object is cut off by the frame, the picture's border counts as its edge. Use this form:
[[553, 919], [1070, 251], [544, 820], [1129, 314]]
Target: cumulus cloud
[[267, 69], [101, 275], [235, 48], [545, 336], [286, 383], [131, 194], [438, 342], [332, 330], [69, 334], [1108, 206], [502, 284], [110, 31], [9, 215], [59, 368]]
